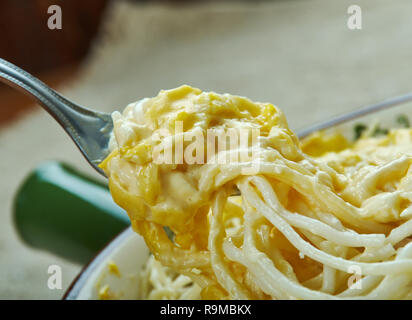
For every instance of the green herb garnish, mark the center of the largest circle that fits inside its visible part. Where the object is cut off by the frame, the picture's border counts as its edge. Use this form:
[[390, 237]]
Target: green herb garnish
[[403, 121], [378, 131], [359, 129], [170, 233]]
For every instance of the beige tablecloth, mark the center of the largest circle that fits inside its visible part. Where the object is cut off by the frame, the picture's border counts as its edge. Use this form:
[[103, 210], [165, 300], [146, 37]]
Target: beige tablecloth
[[299, 55]]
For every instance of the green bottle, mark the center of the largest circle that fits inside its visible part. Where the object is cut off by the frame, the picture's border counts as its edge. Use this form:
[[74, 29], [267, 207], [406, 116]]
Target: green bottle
[[61, 210]]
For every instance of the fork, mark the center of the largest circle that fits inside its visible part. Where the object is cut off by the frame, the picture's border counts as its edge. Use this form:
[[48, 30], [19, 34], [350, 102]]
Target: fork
[[90, 130]]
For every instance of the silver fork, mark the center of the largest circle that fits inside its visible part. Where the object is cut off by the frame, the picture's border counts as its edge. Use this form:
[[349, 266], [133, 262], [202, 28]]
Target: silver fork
[[90, 130]]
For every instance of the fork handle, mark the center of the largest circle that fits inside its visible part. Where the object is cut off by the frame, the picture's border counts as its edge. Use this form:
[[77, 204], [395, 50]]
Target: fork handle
[[79, 122], [59, 107]]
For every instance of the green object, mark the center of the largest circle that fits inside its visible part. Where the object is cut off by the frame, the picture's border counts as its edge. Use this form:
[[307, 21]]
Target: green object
[[63, 211], [378, 131], [403, 120], [359, 129]]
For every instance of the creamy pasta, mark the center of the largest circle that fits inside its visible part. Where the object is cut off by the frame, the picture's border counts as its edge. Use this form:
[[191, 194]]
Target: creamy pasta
[[322, 218]]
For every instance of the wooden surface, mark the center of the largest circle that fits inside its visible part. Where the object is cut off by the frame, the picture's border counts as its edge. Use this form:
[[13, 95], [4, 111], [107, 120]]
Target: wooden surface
[[51, 55]]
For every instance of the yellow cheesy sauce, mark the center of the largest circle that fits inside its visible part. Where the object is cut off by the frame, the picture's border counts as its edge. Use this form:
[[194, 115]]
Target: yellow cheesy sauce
[[294, 221]]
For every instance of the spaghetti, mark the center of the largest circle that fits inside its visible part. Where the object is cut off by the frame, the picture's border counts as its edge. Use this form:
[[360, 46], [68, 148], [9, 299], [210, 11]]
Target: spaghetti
[[323, 218]]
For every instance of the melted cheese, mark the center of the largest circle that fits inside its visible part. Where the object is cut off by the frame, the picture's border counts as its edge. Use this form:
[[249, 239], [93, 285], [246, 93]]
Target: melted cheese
[[309, 211]]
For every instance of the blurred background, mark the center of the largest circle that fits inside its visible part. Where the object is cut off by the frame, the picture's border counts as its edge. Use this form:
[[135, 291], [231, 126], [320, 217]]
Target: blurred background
[[297, 54]]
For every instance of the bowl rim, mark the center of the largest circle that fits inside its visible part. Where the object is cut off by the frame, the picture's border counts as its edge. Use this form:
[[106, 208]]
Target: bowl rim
[[78, 284]]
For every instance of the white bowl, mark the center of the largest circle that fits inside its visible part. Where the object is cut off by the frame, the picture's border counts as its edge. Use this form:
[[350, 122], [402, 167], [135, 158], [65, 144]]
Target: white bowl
[[129, 252]]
